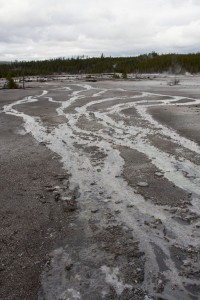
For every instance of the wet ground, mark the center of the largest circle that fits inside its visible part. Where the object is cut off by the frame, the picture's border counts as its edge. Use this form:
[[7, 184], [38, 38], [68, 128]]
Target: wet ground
[[100, 190]]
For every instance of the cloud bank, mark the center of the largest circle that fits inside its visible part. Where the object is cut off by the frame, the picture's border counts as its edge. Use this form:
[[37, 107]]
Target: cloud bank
[[51, 28]]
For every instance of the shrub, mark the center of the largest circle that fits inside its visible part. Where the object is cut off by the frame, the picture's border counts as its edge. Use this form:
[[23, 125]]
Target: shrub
[[115, 76], [124, 75], [11, 84]]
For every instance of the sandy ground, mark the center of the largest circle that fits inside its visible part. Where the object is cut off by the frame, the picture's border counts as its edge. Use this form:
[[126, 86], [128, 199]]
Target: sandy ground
[[100, 190]]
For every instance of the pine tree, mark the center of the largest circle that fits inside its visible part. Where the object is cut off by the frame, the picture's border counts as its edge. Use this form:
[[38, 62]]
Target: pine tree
[[11, 84]]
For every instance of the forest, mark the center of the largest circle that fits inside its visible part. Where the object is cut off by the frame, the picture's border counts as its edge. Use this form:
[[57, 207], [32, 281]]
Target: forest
[[146, 63]]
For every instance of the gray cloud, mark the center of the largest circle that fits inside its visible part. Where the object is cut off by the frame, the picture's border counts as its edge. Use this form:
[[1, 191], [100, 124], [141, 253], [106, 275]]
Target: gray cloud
[[50, 28]]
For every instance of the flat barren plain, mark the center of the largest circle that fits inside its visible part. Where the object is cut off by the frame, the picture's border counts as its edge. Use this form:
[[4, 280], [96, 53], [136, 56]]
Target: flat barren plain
[[100, 190]]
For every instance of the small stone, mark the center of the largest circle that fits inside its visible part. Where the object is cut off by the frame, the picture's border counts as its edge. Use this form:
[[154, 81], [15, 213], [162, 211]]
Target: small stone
[[57, 196], [106, 200], [94, 211], [69, 203], [159, 174], [67, 198], [129, 205], [68, 207], [50, 189], [147, 298], [173, 210], [158, 221], [2, 268], [68, 266], [160, 286], [57, 187], [189, 250], [142, 184], [186, 263]]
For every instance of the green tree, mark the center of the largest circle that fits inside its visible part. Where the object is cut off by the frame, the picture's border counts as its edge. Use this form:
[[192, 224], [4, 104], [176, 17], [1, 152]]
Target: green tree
[[124, 75], [115, 76], [11, 84]]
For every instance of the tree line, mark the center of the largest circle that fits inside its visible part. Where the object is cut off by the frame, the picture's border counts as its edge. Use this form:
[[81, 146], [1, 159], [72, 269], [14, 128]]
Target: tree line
[[146, 63]]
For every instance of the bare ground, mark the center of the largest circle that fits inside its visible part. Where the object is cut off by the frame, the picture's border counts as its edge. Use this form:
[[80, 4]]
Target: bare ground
[[100, 191]]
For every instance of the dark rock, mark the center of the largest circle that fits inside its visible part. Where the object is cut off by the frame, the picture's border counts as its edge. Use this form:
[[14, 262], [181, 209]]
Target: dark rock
[[94, 211]]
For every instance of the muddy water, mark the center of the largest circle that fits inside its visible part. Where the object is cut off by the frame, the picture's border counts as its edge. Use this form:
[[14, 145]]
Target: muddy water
[[133, 194]]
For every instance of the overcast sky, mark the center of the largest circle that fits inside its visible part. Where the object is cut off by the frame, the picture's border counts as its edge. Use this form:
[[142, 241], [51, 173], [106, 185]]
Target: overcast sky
[[38, 29]]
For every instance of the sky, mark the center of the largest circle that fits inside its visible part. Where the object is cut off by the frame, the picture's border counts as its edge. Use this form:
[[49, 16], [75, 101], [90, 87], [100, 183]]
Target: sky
[[43, 29]]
